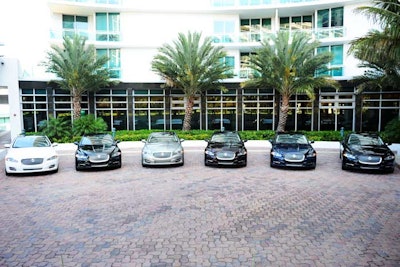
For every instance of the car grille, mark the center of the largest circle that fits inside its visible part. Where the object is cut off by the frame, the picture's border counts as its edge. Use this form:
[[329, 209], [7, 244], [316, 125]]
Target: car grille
[[98, 158], [32, 161], [294, 157], [226, 155], [162, 155], [372, 160]]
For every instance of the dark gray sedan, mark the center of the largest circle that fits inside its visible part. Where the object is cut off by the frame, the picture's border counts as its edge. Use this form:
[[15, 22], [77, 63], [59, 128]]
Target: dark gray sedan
[[162, 148]]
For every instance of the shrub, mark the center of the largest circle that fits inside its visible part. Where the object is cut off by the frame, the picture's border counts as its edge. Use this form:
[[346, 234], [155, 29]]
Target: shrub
[[392, 131], [88, 124], [57, 129]]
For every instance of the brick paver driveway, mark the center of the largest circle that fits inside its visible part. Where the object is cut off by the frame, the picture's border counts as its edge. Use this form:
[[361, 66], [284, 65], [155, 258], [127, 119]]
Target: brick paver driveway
[[201, 216]]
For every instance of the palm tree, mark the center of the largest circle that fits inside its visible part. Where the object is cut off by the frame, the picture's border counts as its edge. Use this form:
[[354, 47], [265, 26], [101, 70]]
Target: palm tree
[[78, 68], [192, 66], [379, 51], [289, 64]]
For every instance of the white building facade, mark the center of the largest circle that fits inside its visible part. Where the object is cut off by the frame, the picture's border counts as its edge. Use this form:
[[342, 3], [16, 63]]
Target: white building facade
[[131, 31]]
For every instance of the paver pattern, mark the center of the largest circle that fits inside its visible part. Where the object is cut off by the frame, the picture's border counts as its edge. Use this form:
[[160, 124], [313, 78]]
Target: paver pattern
[[201, 216]]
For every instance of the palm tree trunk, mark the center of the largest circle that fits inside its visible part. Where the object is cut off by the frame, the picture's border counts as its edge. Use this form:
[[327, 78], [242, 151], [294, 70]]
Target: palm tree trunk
[[283, 114], [188, 113], [76, 100]]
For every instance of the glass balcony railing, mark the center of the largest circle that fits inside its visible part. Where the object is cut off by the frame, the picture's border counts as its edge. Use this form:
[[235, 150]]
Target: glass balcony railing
[[94, 2], [98, 36], [251, 37], [246, 3]]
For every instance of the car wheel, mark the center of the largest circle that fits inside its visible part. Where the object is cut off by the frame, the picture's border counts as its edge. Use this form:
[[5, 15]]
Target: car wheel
[[270, 163], [344, 167], [6, 172]]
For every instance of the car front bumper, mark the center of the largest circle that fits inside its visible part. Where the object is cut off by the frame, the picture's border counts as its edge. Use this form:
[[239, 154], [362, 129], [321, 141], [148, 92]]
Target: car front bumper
[[47, 166], [309, 162]]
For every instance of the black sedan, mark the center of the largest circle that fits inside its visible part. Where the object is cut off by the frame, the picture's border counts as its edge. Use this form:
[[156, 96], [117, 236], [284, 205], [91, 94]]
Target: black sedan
[[97, 151], [225, 148], [366, 151], [292, 150]]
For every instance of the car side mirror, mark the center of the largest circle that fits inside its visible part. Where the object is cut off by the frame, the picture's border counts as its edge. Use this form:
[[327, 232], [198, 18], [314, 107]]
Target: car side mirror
[[7, 145], [144, 141], [76, 143], [245, 140], [54, 144], [182, 140], [207, 140], [312, 142]]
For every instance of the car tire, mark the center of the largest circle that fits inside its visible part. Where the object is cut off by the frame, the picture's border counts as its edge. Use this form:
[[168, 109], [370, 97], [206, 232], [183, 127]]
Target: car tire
[[344, 167], [270, 163], [6, 172]]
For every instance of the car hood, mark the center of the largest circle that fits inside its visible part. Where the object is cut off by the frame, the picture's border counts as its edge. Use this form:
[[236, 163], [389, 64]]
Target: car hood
[[89, 152], [291, 148], [225, 147], [370, 150], [162, 147], [31, 152]]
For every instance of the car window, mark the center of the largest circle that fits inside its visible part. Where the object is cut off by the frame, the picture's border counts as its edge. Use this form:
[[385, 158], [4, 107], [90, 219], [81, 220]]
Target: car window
[[225, 138], [365, 140], [31, 141], [167, 138], [97, 140], [291, 139]]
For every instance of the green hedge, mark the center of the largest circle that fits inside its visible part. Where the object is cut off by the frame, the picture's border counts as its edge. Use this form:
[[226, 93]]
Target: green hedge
[[125, 135]]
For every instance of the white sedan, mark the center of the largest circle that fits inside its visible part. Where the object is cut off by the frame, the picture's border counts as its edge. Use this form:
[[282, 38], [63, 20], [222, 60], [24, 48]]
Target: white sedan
[[29, 154]]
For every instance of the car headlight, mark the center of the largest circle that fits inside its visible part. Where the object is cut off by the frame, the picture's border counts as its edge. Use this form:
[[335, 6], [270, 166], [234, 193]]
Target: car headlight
[[177, 152], [389, 157], [349, 156], [53, 157], [209, 152], [242, 152], [11, 160], [116, 153], [311, 154], [81, 157], [276, 154]]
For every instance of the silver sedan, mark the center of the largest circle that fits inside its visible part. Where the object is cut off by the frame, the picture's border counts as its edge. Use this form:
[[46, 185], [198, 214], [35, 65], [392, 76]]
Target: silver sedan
[[162, 148]]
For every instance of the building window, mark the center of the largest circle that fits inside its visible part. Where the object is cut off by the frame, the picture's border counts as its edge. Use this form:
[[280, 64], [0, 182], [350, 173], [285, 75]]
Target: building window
[[149, 109], [230, 62], [224, 31], [221, 109], [336, 109], [330, 23], [254, 30], [34, 108], [258, 109], [75, 25], [378, 108], [300, 114], [63, 105], [107, 27], [114, 62], [337, 62], [245, 71], [112, 106], [296, 23], [178, 108]]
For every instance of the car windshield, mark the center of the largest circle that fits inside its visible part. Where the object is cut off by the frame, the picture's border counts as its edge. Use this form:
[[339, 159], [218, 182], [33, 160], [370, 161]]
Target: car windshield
[[291, 139], [163, 138], [225, 138], [96, 141], [365, 140], [31, 141]]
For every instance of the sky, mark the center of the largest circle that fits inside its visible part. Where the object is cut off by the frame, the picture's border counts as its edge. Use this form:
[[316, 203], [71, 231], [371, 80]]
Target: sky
[[24, 21]]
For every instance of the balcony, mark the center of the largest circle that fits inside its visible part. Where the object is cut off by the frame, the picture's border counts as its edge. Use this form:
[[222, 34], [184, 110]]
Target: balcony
[[106, 38], [252, 38]]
